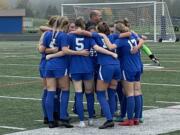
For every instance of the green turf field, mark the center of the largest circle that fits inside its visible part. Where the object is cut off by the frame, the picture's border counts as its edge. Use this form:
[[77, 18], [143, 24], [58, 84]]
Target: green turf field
[[19, 79]]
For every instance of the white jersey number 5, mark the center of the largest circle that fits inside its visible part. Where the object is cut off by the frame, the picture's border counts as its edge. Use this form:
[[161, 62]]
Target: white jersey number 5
[[79, 44]]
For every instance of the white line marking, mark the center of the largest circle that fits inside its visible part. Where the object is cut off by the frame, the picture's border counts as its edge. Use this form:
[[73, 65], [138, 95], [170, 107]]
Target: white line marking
[[28, 65], [153, 107], [38, 99], [20, 98], [26, 77], [15, 84], [168, 102], [162, 70], [156, 84], [164, 61], [16, 128], [22, 77], [151, 67]]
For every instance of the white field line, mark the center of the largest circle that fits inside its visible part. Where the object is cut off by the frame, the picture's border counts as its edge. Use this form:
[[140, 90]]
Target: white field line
[[22, 77], [164, 61], [28, 65], [168, 102], [26, 77], [162, 70], [21, 83], [158, 84], [15, 128], [37, 99], [20, 98]]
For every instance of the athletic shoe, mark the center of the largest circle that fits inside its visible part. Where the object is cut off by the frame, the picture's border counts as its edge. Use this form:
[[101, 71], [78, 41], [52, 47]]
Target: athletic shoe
[[90, 122], [107, 124], [118, 119], [66, 124], [155, 61], [52, 124], [127, 123], [82, 124], [45, 121], [136, 121], [141, 120]]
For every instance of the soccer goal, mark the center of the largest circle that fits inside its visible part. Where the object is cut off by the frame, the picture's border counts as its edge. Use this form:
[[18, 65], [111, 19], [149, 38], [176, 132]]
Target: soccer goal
[[149, 18]]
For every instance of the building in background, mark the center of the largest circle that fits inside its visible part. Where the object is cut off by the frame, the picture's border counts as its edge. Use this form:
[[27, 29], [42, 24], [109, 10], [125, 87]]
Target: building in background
[[11, 21]]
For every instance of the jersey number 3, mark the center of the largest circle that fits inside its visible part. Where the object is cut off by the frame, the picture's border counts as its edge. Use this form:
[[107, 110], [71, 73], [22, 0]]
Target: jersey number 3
[[79, 44]]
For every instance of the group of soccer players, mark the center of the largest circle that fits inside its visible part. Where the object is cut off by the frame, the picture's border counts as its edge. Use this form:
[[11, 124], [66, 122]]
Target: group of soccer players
[[97, 62]]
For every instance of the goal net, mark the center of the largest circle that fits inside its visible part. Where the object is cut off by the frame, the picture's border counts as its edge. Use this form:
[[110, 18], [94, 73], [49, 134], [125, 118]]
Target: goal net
[[147, 18]]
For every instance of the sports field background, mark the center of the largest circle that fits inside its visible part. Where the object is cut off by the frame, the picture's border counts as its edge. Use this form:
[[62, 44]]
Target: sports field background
[[20, 86]]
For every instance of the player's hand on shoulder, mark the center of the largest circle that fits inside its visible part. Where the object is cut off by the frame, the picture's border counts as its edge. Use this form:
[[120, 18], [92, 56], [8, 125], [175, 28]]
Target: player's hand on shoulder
[[55, 49], [115, 55], [102, 34], [134, 50], [48, 56], [78, 32], [84, 52]]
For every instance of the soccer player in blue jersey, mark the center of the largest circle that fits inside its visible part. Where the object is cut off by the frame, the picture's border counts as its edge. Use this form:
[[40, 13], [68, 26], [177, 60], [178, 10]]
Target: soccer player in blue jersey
[[81, 69], [131, 69], [109, 74], [144, 47], [56, 68], [41, 49]]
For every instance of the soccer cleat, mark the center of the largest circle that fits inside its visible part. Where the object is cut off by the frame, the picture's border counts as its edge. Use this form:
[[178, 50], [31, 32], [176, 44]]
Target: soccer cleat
[[90, 122], [82, 124], [45, 121], [118, 119], [66, 124], [107, 124], [52, 124], [127, 123], [136, 121]]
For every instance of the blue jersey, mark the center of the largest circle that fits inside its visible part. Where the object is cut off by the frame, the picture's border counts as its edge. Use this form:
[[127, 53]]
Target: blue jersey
[[129, 62], [42, 63], [137, 37], [61, 40], [104, 59], [113, 37], [80, 64]]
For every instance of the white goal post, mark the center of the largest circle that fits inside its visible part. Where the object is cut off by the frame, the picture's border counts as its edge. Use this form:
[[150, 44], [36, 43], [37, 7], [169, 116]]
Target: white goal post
[[150, 18]]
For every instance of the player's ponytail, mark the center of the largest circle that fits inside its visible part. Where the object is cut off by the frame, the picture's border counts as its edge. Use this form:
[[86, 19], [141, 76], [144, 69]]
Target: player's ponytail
[[120, 28], [63, 24], [80, 22]]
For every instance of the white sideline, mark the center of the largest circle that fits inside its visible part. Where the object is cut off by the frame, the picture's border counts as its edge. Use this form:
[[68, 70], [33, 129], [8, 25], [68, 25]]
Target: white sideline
[[156, 121], [15, 128]]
